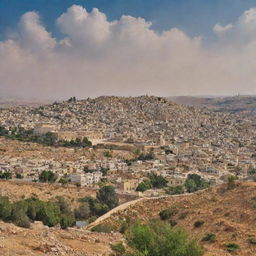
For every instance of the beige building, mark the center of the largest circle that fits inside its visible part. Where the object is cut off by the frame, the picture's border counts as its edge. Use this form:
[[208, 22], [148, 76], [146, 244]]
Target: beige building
[[129, 185]]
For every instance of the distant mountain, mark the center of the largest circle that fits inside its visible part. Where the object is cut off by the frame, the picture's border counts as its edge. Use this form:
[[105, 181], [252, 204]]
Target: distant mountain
[[245, 105]]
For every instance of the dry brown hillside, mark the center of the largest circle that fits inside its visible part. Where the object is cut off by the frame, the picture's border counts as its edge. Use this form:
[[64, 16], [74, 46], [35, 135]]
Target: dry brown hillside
[[17, 190], [52, 241], [230, 214]]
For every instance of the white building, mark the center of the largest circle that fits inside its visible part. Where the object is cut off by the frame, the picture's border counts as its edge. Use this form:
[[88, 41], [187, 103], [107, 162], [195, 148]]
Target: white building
[[86, 179]]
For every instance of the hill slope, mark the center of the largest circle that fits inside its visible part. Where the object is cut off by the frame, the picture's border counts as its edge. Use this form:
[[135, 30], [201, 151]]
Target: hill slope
[[142, 119], [230, 214]]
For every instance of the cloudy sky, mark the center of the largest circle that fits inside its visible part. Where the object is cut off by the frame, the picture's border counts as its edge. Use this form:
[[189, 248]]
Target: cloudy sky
[[53, 49]]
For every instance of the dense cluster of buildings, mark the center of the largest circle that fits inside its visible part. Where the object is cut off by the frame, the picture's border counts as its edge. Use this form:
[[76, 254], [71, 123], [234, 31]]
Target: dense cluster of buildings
[[183, 139]]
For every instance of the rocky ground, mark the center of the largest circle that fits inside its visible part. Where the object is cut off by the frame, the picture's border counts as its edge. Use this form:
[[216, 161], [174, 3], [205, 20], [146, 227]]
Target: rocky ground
[[41, 240]]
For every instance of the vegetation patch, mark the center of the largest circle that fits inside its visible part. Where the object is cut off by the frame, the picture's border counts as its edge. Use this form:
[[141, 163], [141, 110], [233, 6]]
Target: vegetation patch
[[198, 223], [158, 238], [209, 237], [168, 213], [232, 247]]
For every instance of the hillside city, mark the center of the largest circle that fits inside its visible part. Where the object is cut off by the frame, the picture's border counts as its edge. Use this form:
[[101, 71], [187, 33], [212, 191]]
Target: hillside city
[[88, 169], [163, 138]]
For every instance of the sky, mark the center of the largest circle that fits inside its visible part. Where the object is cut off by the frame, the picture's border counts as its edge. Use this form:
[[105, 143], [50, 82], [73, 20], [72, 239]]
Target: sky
[[54, 49]]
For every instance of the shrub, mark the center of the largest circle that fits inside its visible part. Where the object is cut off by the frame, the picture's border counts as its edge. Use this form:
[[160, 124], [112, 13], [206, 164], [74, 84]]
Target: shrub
[[83, 212], [47, 176], [183, 215], [232, 247], [31, 209], [173, 222], [49, 214], [231, 182], [20, 218], [107, 154], [124, 227], [101, 228], [159, 238], [209, 237], [118, 248], [194, 182], [198, 223], [5, 208], [108, 196], [168, 213], [176, 190], [252, 240], [92, 219], [5, 175], [157, 181], [67, 220], [143, 186]]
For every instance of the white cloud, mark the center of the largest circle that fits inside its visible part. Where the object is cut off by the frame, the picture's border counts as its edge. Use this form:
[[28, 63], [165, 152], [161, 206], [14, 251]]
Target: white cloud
[[33, 36], [218, 29], [124, 57]]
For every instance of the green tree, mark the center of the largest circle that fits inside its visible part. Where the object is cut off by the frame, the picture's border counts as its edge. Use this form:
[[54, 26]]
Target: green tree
[[86, 142], [49, 139], [49, 214], [5, 175], [190, 185], [158, 181], [160, 239], [231, 182], [83, 211], [195, 182], [20, 218], [5, 208], [47, 176], [175, 190], [108, 196], [143, 186]]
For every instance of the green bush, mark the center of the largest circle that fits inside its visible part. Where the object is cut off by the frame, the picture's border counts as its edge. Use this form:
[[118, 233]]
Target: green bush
[[118, 248], [5, 175], [174, 190], [168, 213], [195, 182], [173, 222], [158, 181], [107, 195], [209, 237], [183, 215], [143, 186], [124, 227], [5, 208], [67, 220], [232, 247], [21, 219], [160, 239], [198, 223], [83, 212], [97, 208], [23, 212], [101, 228], [47, 176], [231, 182]]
